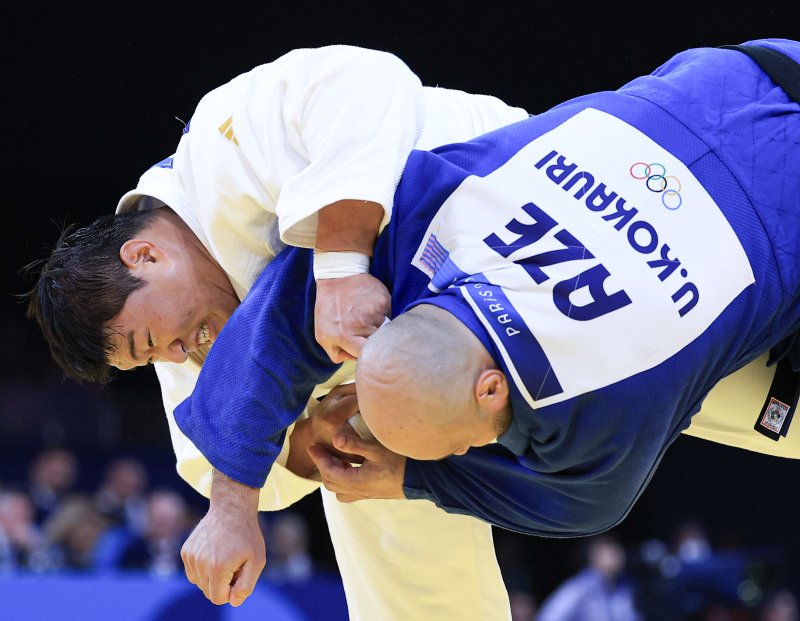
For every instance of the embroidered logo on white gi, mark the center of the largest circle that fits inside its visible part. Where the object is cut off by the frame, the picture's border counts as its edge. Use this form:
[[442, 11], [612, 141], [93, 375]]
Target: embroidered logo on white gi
[[775, 415], [226, 129], [597, 288]]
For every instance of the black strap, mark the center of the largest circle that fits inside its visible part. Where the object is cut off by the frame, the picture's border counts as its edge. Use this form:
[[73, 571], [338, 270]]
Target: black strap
[[778, 410], [783, 70]]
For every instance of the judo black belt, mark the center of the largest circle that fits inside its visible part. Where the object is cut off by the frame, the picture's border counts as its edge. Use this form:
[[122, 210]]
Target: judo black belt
[[781, 402], [783, 70]]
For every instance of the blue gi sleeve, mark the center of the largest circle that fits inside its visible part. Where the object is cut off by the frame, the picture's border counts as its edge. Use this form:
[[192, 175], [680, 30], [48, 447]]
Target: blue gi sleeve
[[259, 374], [494, 485]]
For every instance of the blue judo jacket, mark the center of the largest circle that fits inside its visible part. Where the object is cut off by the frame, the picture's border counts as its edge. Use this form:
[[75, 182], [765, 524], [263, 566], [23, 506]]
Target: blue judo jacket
[[618, 255]]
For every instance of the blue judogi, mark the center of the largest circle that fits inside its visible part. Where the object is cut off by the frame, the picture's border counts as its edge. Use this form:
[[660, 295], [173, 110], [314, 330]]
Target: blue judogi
[[618, 255]]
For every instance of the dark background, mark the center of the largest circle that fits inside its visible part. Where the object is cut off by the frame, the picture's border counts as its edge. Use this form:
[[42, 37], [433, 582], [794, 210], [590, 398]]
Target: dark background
[[92, 96]]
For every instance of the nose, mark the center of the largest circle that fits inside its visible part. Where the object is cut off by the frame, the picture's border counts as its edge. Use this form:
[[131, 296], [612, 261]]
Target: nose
[[174, 352]]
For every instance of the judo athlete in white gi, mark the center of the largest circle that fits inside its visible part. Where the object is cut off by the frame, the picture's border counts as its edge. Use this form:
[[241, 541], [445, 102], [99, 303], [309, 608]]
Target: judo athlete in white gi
[[259, 159], [604, 264]]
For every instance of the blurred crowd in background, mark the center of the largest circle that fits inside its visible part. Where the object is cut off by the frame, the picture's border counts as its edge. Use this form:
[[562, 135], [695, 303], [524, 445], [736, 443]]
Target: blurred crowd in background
[[52, 523], [685, 578]]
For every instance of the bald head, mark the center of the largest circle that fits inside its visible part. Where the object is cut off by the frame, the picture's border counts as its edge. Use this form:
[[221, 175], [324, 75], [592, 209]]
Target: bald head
[[427, 388]]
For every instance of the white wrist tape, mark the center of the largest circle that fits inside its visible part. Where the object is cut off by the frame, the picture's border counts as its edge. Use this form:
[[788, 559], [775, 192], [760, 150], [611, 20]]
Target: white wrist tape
[[339, 264]]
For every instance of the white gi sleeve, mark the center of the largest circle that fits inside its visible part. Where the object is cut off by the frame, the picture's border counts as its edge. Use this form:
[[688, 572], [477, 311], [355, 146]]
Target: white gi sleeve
[[350, 117]]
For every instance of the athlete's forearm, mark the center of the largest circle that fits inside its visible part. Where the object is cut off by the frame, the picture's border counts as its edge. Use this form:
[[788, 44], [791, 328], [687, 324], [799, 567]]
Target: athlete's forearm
[[299, 461], [495, 486], [349, 225]]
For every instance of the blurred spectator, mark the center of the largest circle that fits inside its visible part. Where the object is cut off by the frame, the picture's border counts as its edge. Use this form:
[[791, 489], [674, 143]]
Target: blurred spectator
[[600, 592], [158, 549], [690, 542], [121, 495], [52, 475], [516, 564], [517, 574], [780, 606], [74, 530], [316, 593], [22, 544], [693, 579], [288, 549], [523, 605]]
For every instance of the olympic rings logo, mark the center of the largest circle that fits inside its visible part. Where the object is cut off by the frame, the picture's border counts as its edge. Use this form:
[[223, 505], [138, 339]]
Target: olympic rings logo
[[657, 180]]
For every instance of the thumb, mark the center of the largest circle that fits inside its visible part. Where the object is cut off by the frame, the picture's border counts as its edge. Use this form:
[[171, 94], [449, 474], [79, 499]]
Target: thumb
[[353, 344], [352, 443], [244, 583], [337, 354], [322, 459]]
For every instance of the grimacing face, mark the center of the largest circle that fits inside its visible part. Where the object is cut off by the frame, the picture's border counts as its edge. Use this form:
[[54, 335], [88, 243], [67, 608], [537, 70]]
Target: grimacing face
[[180, 307]]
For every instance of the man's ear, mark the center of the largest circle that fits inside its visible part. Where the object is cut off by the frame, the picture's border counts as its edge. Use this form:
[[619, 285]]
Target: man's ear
[[136, 252], [491, 390]]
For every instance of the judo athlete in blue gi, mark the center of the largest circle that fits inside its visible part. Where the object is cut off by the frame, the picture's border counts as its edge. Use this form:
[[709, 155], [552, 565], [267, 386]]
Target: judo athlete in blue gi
[[606, 262]]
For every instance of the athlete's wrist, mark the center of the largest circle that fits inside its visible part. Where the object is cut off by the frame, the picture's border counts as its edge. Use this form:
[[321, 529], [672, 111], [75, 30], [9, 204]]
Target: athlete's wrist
[[328, 265]]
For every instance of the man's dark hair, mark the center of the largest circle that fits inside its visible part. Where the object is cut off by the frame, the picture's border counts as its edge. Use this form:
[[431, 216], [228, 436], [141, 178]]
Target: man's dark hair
[[81, 287]]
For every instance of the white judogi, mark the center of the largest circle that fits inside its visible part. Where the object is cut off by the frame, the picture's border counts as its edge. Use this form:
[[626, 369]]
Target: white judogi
[[261, 156]]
